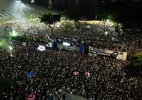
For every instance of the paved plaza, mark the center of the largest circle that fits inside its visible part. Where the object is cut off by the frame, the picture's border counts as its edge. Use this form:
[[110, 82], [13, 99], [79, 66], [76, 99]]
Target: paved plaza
[[10, 8]]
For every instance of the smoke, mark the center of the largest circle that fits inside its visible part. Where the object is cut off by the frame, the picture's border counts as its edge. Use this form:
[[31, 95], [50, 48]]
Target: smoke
[[21, 10]]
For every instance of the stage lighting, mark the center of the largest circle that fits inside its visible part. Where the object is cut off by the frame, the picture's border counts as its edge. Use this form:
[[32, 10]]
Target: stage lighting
[[66, 44]]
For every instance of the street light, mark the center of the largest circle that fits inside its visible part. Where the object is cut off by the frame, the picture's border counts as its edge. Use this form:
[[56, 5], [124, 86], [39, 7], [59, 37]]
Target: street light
[[32, 1]]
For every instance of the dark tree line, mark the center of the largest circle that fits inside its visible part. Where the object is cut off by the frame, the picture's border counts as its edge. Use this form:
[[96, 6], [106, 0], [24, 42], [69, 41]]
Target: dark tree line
[[126, 12], [122, 11]]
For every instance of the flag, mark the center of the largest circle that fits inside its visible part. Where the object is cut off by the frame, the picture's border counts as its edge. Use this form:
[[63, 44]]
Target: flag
[[76, 73], [31, 97], [87, 74]]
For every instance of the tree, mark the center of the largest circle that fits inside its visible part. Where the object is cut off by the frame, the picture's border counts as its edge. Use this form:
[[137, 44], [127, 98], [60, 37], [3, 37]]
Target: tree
[[65, 15], [49, 20], [135, 67], [137, 61], [77, 24]]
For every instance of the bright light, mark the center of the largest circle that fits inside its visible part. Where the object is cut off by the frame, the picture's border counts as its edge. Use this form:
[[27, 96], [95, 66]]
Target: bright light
[[66, 44], [52, 25], [11, 55], [58, 24], [41, 48], [89, 26], [107, 20], [49, 44], [18, 1], [13, 33], [106, 32], [10, 48], [32, 1], [1, 44]]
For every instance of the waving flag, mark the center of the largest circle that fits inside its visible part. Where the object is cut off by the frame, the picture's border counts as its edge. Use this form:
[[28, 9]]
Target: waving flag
[[31, 97], [87, 74], [76, 73]]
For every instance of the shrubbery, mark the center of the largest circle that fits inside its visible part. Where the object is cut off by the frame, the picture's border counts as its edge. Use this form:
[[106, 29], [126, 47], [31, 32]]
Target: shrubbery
[[137, 61]]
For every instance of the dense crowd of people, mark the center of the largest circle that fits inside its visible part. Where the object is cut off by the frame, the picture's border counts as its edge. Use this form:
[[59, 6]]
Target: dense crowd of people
[[59, 71]]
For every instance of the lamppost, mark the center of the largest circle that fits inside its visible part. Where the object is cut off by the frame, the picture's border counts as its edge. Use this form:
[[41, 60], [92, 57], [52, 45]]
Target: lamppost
[[32, 1], [50, 4], [10, 50], [18, 2]]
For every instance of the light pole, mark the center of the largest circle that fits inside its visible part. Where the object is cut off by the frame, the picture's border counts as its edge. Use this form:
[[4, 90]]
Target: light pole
[[50, 4], [18, 6], [32, 1]]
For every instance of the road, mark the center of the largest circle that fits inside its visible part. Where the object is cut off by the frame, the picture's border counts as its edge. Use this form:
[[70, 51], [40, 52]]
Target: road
[[17, 8]]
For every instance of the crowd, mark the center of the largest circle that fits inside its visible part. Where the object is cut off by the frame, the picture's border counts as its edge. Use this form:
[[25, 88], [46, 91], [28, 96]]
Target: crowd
[[55, 70], [24, 27]]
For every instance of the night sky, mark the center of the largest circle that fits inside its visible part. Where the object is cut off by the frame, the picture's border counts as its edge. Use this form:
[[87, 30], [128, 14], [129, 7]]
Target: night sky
[[127, 11], [90, 5]]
